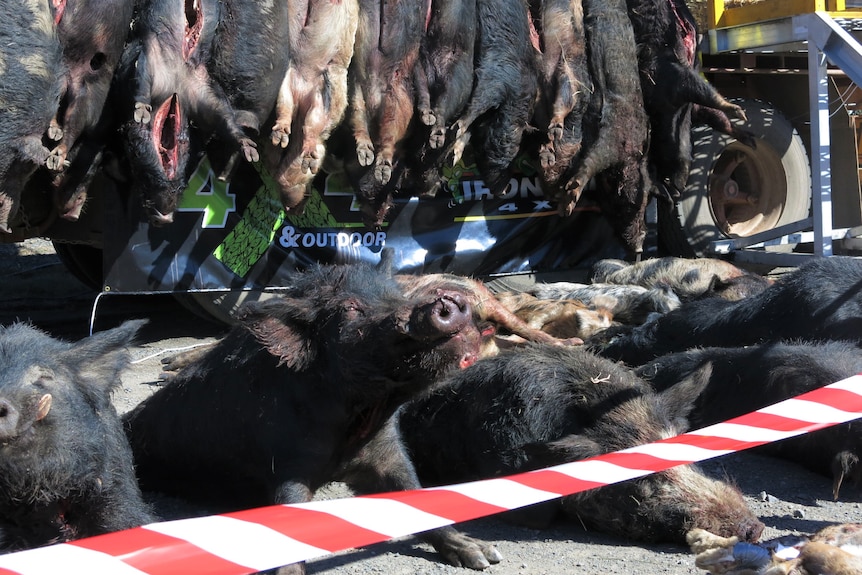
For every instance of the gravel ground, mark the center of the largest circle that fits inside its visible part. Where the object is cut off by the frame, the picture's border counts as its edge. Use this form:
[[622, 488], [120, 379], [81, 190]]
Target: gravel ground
[[787, 498]]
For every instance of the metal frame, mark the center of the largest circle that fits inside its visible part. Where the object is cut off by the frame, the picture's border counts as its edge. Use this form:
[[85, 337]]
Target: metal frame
[[825, 41]]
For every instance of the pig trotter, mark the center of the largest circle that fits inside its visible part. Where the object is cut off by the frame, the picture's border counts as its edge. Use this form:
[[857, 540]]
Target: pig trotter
[[458, 149], [142, 113], [280, 135], [57, 160], [463, 551], [55, 132], [735, 111], [311, 161], [365, 153], [428, 117], [249, 149], [438, 138], [555, 131], [383, 171], [547, 157]]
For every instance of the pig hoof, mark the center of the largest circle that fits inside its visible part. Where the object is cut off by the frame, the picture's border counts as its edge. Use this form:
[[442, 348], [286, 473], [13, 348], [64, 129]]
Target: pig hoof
[[383, 172], [566, 208], [428, 118], [547, 157], [438, 138], [737, 112], [249, 150], [471, 553], [555, 132], [460, 129], [365, 154], [55, 132], [142, 113], [280, 136], [56, 161], [310, 164]]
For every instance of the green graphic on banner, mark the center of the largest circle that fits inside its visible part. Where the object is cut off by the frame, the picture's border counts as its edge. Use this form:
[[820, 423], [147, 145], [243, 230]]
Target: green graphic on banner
[[252, 235], [315, 214], [215, 201]]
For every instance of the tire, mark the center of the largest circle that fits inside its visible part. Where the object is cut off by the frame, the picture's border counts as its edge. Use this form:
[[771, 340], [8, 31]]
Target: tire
[[737, 191], [83, 261]]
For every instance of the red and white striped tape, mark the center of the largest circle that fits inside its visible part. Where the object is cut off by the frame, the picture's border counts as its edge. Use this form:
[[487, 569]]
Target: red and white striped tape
[[259, 539]]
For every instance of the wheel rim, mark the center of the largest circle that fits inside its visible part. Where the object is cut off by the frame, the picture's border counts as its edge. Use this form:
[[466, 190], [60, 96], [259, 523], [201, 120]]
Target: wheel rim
[[747, 190]]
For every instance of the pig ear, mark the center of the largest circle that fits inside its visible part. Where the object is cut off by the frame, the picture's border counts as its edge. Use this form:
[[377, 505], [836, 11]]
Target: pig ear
[[680, 398], [101, 357], [283, 327]]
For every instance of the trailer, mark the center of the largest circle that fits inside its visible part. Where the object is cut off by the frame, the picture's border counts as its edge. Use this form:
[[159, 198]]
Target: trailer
[[794, 66]]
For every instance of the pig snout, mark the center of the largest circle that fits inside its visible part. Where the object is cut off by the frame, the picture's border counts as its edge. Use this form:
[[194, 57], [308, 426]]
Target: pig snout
[[9, 417], [449, 314]]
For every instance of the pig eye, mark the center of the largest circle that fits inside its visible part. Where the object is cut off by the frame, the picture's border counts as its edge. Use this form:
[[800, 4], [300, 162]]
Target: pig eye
[[97, 61], [353, 309], [39, 376]]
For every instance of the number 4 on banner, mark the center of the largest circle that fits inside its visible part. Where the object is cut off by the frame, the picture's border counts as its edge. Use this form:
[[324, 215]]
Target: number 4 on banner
[[206, 193]]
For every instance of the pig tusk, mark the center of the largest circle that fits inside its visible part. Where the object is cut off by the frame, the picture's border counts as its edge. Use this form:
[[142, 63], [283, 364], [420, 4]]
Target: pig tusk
[[43, 407]]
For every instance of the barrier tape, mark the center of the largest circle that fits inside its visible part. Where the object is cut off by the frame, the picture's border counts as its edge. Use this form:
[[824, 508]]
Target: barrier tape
[[258, 539]]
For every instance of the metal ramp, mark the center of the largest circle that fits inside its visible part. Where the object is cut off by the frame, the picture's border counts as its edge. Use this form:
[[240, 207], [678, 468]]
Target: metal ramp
[[824, 29]]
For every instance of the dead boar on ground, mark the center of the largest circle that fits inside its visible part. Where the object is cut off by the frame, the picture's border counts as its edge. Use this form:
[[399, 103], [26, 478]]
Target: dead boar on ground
[[486, 305], [302, 392], [821, 300], [543, 405], [741, 380], [494, 316], [629, 304], [561, 318], [688, 278], [65, 466]]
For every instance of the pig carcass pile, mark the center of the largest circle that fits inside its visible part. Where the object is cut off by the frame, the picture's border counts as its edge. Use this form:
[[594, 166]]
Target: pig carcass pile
[[601, 91], [387, 382]]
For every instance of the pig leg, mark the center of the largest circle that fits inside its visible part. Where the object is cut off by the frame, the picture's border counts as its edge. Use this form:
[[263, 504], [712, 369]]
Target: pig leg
[[67, 133], [564, 45], [206, 103], [84, 101], [143, 88], [327, 108], [718, 121], [423, 95], [384, 465], [449, 101], [491, 309], [489, 93], [284, 110], [397, 112], [688, 86], [359, 123], [55, 129]]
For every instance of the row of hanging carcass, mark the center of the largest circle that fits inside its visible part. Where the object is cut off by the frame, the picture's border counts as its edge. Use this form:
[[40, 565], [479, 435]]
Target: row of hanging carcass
[[602, 90]]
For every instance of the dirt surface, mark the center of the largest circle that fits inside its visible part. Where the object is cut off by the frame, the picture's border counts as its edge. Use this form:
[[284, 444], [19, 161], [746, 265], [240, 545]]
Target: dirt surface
[[787, 499]]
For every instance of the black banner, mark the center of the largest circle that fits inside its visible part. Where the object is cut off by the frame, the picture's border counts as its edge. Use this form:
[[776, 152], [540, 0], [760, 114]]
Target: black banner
[[235, 236]]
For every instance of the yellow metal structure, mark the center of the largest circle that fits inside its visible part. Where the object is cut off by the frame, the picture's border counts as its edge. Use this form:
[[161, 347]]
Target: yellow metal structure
[[722, 16], [827, 34]]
